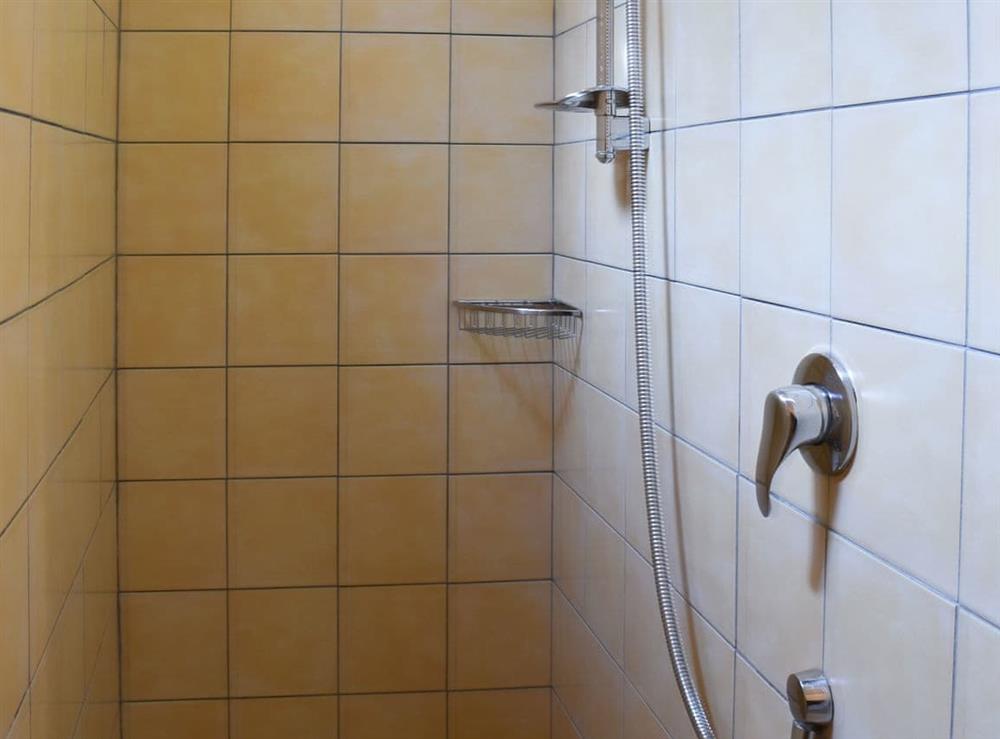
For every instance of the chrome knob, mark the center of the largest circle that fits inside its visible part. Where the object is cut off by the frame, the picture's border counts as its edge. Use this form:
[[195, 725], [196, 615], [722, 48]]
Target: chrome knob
[[810, 700], [817, 415]]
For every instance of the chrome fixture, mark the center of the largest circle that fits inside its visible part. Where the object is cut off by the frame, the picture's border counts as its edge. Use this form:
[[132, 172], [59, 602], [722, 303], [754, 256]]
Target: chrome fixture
[[817, 415], [811, 702], [525, 319], [609, 104]]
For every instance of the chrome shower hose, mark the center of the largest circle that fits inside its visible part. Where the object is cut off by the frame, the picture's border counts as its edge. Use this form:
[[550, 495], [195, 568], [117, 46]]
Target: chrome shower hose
[[650, 473]]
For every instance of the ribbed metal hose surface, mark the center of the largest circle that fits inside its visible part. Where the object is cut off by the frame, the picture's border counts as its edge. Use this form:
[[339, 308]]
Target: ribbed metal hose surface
[[650, 472]]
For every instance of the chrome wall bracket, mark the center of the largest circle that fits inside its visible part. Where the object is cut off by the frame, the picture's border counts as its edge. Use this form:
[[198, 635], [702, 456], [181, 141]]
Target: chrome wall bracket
[[810, 700]]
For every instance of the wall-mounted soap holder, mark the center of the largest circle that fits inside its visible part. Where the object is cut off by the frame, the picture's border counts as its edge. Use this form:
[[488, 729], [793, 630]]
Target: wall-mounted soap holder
[[522, 319]]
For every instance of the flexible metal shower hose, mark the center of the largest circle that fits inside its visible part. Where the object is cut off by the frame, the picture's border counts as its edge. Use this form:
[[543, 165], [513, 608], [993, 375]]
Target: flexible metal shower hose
[[650, 472]]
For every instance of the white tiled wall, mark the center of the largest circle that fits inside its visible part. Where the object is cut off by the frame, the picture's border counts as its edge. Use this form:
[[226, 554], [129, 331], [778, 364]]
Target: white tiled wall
[[824, 174]]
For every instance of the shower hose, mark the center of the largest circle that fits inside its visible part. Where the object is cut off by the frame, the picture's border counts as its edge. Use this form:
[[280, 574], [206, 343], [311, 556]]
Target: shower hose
[[650, 473]]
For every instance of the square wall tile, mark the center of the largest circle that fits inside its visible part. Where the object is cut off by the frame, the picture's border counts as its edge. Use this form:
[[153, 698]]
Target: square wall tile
[[429, 16], [498, 635], [174, 86], [282, 310], [283, 642], [382, 69], [500, 527], [285, 87], [785, 210], [393, 309], [497, 277], [201, 719], [524, 17], [282, 196], [17, 22], [282, 421], [510, 71], [286, 15], [171, 311], [393, 638], [390, 715], [14, 611], [984, 222], [706, 59], [924, 54], [899, 215], [394, 420], [13, 417], [15, 194], [282, 533], [785, 55], [708, 206], [394, 198], [501, 199], [499, 714], [500, 418], [172, 424], [908, 652], [173, 645], [393, 530], [171, 198], [984, 52], [904, 512], [175, 15], [980, 503], [270, 718], [975, 712], [172, 535]]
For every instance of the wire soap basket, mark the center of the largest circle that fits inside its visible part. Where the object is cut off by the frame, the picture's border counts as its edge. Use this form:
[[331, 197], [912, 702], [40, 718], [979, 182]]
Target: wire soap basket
[[523, 319]]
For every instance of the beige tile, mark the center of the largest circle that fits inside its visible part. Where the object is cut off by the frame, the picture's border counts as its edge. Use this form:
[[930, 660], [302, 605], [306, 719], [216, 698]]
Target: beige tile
[[509, 70], [899, 215], [171, 198], [172, 535], [575, 69], [760, 710], [59, 65], [984, 221], [394, 198], [274, 718], [281, 198], [282, 421], [393, 309], [101, 106], [174, 86], [283, 642], [874, 664], [607, 309], [16, 41], [397, 15], [393, 530], [379, 71], [282, 532], [500, 527], [205, 719], [171, 15], [393, 638], [517, 17], [569, 545], [608, 219], [497, 277], [21, 726], [562, 725], [925, 54], [499, 714], [501, 418], [704, 53], [173, 645], [604, 584], [639, 720], [13, 417], [282, 310], [15, 147], [501, 199], [285, 87], [57, 689], [394, 420], [172, 424], [286, 15], [909, 514], [14, 664], [569, 221], [498, 635], [975, 711], [388, 716], [171, 311], [569, 13]]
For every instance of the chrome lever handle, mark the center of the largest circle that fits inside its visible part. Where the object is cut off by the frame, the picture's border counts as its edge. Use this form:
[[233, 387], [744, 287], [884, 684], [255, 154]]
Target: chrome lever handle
[[818, 415]]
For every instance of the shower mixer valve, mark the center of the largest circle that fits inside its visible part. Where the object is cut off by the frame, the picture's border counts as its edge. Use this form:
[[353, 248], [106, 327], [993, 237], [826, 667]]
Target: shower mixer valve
[[817, 415]]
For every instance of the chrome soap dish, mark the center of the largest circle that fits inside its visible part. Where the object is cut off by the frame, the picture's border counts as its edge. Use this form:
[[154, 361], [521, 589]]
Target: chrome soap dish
[[523, 319]]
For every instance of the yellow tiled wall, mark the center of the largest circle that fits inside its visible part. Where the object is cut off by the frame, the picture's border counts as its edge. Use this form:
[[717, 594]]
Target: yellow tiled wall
[[335, 507], [58, 573]]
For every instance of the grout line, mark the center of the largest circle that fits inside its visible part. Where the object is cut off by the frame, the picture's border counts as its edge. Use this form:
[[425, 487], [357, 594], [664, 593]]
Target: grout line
[[340, 405]]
